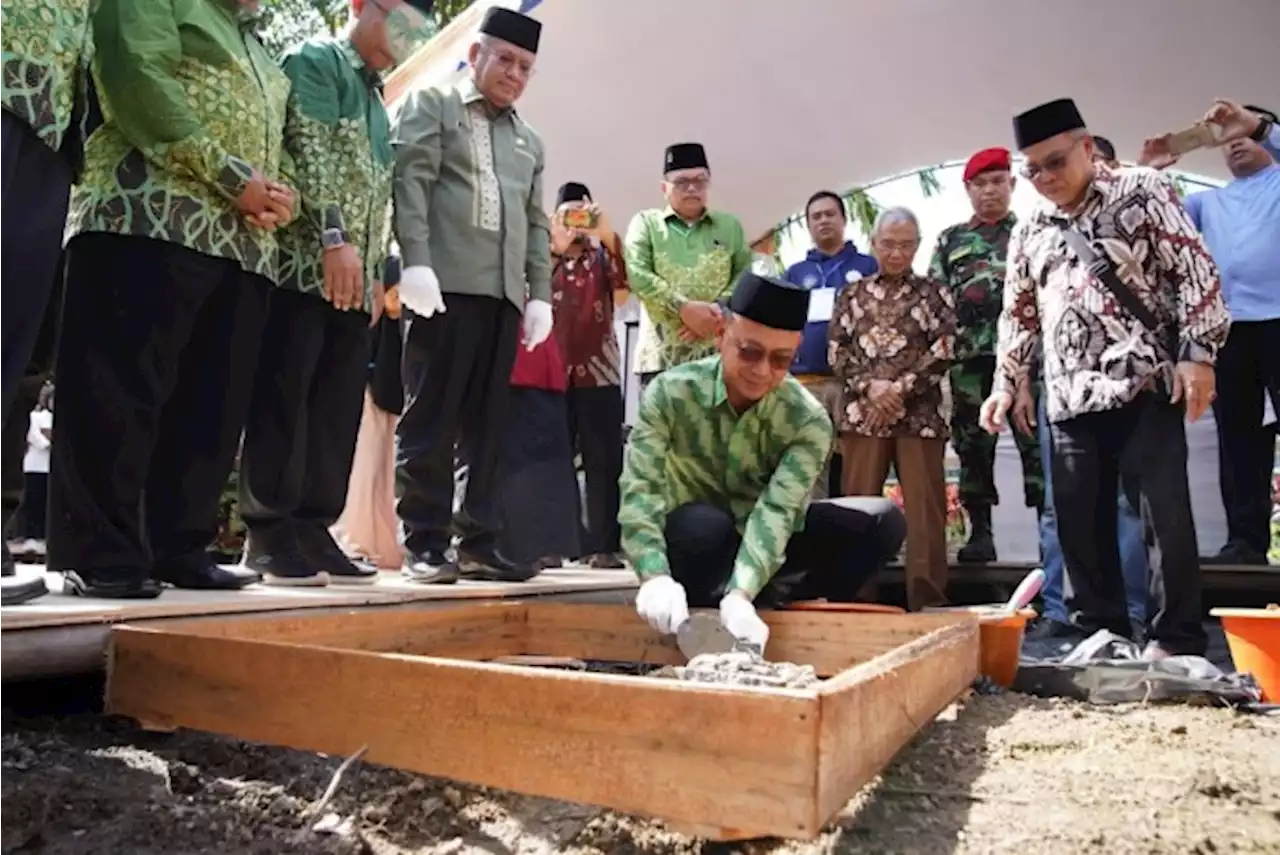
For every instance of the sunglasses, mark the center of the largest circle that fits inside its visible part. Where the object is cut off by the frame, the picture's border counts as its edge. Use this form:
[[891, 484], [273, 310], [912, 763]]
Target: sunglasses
[[1053, 163], [753, 354]]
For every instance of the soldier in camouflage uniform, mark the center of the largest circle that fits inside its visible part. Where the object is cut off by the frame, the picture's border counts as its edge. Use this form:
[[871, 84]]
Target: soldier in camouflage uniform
[[971, 258]]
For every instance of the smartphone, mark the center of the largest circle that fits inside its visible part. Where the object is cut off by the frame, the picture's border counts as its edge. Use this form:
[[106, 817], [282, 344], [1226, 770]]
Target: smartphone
[[1199, 135], [580, 218]]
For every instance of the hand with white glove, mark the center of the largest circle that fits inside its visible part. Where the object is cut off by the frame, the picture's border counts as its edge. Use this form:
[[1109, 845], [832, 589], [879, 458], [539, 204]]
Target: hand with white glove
[[420, 291], [738, 615], [537, 323], [661, 601]]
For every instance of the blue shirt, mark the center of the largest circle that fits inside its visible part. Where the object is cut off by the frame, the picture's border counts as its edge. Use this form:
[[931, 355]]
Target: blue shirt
[[818, 271], [1241, 227]]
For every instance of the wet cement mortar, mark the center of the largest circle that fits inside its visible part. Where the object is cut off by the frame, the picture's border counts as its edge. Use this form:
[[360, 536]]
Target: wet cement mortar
[[994, 773]]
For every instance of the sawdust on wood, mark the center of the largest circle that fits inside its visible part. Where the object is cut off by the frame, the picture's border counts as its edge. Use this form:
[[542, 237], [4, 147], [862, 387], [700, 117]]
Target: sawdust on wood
[[998, 773]]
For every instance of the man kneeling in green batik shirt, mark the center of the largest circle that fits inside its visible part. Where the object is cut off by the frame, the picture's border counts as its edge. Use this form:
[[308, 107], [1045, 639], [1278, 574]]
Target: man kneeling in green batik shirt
[[300, 437], [715, 490]]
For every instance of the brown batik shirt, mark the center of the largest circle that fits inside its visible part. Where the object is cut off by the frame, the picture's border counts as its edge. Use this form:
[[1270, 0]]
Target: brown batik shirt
[[582, 289], [1098, 356], [900, 329]]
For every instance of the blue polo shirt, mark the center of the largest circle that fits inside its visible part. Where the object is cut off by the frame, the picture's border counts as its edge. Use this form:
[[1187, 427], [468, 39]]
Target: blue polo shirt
[[818, 271], [1241, 227]]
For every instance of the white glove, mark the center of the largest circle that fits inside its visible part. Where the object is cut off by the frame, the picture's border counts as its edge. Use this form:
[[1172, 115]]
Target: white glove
[[537, 323], [738, 615], [661, 601], [420, 291]]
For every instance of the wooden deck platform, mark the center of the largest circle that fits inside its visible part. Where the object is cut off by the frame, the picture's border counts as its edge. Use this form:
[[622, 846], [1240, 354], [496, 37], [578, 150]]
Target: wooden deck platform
[[62, 634]]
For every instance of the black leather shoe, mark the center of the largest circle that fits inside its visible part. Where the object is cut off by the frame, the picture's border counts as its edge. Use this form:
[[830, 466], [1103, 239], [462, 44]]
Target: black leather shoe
[[321, 551], [201, 573], [15, 591], [101, 585], [489, 565], [432, 567], [1236, 554]]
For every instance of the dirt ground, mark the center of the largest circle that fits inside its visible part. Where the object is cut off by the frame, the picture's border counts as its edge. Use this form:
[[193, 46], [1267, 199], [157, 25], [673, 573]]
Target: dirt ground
[[997, 773]]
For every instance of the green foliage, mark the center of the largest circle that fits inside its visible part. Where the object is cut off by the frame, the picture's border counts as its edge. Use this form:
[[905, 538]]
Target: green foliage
[[929, 184], [285, 23]]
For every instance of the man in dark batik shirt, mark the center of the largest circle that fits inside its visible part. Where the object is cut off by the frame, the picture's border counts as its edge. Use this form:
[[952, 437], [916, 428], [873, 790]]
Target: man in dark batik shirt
[[588, 279]]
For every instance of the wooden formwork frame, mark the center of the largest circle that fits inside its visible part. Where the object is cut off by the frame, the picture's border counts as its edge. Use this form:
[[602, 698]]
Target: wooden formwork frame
[[414, 687]]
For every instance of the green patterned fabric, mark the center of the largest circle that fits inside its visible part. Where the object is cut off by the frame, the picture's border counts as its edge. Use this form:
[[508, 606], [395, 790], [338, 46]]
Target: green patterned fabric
[[670, 262], [46, 46], [468, 195], [970, 257], [339, 139], [192, 103], [690, 445]]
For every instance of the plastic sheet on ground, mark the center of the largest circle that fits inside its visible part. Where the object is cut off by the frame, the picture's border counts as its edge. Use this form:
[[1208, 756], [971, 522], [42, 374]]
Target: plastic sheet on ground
[[1107, 669]]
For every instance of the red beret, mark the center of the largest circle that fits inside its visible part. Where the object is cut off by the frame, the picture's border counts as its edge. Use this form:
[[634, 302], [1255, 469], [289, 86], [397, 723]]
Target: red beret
[[986, 160]]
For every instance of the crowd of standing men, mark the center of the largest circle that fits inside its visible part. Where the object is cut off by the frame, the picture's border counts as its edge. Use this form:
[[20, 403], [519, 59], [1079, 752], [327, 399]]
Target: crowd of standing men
[[229, 230]]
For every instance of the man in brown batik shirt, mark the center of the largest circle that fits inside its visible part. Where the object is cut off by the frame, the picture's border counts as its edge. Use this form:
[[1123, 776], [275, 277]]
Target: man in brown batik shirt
[[891, 340], [588, 278]]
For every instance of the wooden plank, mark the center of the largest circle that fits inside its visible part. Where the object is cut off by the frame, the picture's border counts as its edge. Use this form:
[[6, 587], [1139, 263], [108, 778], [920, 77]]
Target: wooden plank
[[58, 609], [692, 753], [867, 714]]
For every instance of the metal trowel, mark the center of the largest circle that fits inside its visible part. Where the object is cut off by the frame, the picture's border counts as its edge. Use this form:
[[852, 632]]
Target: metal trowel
[[703, 633]]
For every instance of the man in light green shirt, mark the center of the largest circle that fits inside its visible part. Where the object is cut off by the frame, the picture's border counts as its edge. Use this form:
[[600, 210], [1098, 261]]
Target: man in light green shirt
[[476, 247], [681, 259], [715, 489]]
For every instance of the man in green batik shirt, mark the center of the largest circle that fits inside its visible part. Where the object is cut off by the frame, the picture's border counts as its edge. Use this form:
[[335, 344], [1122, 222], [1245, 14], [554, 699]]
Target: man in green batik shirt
[[715, 489], [473, 233], [682, 259], [169, 270], [970, 257], [46, 45], [300, 437]]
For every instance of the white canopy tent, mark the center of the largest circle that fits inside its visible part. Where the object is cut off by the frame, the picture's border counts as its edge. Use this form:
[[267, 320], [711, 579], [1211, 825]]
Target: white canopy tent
[[793, 97]]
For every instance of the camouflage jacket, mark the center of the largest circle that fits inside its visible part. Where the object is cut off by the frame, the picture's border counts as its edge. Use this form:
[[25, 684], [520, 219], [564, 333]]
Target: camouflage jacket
[[690, 445], [971, 258]]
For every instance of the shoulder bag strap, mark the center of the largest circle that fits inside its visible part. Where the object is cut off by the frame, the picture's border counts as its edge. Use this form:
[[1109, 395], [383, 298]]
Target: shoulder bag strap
[[1102, 269]]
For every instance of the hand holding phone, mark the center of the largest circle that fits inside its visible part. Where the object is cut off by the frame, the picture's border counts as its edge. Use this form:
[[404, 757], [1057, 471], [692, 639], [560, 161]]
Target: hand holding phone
[[1199, 135], [580, 218]]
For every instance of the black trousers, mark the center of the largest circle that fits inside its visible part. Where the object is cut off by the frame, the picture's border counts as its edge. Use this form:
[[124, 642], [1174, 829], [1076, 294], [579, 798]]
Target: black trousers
[[300, 434], [37, 185], [1248, 368], [1141, 448], [844, 544], [457, 370], [538, 490], [155, 367], [35, 504], [595, 430]]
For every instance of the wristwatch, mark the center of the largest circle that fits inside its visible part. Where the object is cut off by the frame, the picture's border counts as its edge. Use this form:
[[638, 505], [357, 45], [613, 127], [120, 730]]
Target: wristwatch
[[333, 238], [1260, 133]]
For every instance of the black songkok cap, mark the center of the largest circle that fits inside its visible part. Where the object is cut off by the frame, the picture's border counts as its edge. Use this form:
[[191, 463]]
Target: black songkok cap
[[685, 155], [1269, 115], [770, 301], [1048, 120], [1104, 147], [572, 191], [520, 30]]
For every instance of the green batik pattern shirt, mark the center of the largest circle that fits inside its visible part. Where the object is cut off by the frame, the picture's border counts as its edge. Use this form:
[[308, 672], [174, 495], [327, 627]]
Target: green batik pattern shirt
[[192, 103], [971, 259], [46, 46], [468, 195], [690, 445], [670, 262], [339, 139]]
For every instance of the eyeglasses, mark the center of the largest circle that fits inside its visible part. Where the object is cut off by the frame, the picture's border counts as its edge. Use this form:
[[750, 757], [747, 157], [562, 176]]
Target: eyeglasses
[[684, 185], [897, 245], [513, 65], [752, 354], [1052, 163]]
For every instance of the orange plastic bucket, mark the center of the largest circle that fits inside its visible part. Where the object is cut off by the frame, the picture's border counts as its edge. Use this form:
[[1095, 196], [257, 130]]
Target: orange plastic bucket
[[824, 606], [1253, 636], [1000, 634]]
